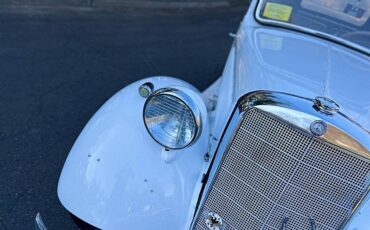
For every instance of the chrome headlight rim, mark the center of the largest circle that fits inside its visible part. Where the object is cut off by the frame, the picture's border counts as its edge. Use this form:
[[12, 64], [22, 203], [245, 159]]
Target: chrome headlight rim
[[186, 96]]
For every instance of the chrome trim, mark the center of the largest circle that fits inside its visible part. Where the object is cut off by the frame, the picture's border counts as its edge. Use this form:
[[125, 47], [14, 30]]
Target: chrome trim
[[326, 105], [214, 221], [39, 223], [285, 106], [307, 30], [304, 121], [186, 95], [301, 112], [146, 89]]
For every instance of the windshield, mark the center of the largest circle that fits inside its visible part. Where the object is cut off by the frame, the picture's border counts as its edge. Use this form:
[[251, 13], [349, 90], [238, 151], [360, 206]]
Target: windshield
[[345, 21]]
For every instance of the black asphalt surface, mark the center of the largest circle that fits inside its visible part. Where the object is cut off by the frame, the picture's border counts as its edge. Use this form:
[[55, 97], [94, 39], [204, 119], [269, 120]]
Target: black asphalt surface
[[58, 66]]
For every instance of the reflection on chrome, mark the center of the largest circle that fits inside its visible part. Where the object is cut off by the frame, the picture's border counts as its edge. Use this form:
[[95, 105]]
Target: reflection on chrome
[[336, 132]]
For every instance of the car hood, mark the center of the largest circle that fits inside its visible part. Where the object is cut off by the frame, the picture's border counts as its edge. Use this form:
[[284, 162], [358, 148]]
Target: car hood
[[286, 61]]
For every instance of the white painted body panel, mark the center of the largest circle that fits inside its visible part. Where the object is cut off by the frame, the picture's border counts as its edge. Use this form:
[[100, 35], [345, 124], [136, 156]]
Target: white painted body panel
[[226, 99], [112, 193], [361, 218], [117, 177], [281, 60]]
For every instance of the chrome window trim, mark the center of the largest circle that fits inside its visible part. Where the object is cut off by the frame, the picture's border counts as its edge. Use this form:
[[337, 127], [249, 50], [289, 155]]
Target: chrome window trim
[[184, 95], [266, 100], [316, 33]]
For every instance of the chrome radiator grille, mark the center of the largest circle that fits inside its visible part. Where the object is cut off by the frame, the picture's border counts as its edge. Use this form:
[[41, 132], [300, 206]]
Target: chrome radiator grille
[[272, 171]]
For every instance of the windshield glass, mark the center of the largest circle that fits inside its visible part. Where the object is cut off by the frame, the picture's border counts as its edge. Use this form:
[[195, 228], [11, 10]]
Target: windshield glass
[[346, 21]]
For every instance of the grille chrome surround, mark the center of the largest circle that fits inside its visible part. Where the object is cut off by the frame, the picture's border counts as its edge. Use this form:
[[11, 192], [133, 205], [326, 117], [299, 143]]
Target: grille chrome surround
[[272, 170]]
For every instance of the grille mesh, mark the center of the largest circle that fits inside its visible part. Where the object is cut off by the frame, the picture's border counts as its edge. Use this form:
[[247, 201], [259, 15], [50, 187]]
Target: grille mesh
[[272, 170]]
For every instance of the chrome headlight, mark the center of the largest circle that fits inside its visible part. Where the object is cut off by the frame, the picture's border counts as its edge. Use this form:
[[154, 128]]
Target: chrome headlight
[[172, 118]]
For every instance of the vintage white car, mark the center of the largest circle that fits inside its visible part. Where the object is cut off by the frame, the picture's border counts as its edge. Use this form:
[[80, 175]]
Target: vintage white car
[[280, 141]]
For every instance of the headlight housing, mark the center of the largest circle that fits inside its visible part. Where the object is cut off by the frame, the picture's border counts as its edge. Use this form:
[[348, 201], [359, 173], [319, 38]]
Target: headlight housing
[[172, 118]]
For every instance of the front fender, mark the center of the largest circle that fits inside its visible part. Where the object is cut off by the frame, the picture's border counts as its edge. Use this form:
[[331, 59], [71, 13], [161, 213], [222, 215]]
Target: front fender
[[117, 177]]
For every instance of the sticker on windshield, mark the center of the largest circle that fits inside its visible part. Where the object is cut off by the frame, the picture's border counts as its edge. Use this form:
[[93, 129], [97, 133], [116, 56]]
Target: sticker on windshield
[[354, 11], [277, 11]]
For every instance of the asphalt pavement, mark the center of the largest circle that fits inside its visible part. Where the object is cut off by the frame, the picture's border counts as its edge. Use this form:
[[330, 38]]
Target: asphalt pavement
[[59, 65]]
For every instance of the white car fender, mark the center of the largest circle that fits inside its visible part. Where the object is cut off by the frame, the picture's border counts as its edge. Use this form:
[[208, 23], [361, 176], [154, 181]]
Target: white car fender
[[117, 177]]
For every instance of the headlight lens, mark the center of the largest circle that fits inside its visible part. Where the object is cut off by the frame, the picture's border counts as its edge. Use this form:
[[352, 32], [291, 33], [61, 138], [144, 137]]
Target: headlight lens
[[170, 120]]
